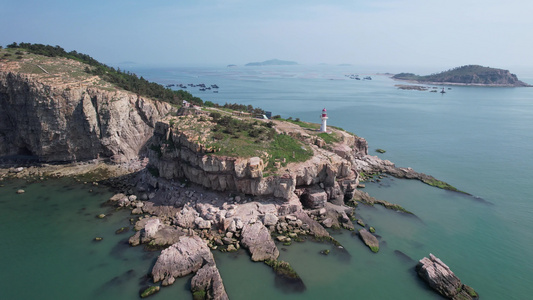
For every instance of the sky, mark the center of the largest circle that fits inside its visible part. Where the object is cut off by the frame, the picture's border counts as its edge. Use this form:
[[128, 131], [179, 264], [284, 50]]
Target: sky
[[394, 33]]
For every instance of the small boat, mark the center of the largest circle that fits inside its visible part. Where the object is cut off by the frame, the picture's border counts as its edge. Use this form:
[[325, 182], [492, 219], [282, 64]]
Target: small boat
[[443, 91]]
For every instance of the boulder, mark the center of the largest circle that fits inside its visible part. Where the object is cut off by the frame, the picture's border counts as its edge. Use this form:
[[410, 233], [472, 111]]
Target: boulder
[[257, 239], [370, 240], [185, 217], [270, 220], [186, 256], [314, 198], [151, 228], [440, 278], [207, 284]]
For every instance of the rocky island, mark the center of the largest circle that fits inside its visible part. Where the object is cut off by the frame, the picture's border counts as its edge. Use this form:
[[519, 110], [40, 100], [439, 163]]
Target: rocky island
[[467, 75], [196, 178], [272, 62]]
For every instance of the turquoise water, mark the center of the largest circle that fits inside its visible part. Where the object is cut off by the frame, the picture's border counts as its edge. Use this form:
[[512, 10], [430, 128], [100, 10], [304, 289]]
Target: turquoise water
[[477, 139]]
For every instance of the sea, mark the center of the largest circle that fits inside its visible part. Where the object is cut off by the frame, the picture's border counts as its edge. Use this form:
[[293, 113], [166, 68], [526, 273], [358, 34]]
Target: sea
[[478, 139]]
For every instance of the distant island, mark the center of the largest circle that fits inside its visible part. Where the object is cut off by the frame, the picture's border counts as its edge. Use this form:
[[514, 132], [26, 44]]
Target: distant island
[[467, 75], [272, 62]]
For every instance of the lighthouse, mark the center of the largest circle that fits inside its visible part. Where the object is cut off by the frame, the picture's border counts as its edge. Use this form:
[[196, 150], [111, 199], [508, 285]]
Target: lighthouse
[[324, 117]]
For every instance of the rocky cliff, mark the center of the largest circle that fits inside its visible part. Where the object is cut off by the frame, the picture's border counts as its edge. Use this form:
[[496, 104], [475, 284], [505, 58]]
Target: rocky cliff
[[51, 118], [331, 170]]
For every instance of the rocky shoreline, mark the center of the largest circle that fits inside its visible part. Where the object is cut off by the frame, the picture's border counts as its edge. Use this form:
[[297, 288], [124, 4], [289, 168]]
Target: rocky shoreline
[[177, 215], [187, 199]]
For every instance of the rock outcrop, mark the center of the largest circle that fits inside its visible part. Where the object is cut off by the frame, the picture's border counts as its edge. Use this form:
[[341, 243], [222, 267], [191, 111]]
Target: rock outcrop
[[440, 278], [45, 120], [179, 153], [207, 284], [369, 239], [257, 239], [186, 256]]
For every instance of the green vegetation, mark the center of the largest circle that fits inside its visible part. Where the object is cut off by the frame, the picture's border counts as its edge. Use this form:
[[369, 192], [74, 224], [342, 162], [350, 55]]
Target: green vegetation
[[379, 150], [302, 124], [282, 268], [254, 111], [329, 138], [199, 295], [441, 185], [122, 230], [150, 291], [248, 138], [329, 239], [469, 74], [122, 79], [470, 291]]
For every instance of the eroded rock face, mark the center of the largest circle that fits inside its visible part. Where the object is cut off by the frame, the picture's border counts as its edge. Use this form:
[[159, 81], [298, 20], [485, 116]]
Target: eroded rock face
[[53, 123], [186, 256], [186, 157], [440, 278]]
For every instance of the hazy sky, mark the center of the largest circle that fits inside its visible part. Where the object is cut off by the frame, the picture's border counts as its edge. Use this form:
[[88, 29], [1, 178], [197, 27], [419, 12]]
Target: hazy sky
[[418, 33]]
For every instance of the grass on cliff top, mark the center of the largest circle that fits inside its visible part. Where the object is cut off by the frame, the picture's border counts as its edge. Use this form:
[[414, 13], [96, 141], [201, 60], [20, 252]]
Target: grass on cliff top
[[282, 148], [226, 135]]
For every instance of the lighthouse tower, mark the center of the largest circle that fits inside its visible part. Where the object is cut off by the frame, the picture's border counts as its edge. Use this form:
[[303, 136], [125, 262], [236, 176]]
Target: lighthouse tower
[[324, 117]]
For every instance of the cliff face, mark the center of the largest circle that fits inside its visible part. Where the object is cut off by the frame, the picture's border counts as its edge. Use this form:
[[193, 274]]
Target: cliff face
[[54, 122], [175, 154]]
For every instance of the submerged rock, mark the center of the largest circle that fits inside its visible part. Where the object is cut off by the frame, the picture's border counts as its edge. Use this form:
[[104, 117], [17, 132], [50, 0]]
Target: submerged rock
[[149, 291], [370, 240], [440, 278]]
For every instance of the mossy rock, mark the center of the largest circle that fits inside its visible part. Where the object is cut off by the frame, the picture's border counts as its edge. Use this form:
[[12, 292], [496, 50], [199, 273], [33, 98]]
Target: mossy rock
[[282, 268], [122, 230], [380, 151], [199, 295], [372, 230], [149, 291], [325, 252], [101, 216]]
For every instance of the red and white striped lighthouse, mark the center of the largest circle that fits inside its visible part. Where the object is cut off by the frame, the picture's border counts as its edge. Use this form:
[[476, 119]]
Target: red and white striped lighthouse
[[324, 118]]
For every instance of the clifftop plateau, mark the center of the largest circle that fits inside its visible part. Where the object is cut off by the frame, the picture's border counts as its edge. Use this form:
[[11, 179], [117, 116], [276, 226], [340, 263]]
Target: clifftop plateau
[[468, 75]]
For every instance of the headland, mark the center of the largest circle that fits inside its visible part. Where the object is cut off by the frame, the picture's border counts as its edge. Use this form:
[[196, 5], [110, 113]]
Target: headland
[[197, 178]]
